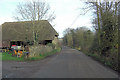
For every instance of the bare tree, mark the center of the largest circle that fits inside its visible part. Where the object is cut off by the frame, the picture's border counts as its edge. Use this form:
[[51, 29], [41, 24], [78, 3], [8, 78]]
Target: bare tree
[[34, 10]]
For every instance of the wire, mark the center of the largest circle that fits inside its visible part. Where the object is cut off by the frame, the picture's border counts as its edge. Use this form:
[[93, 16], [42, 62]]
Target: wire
[[74, 20]]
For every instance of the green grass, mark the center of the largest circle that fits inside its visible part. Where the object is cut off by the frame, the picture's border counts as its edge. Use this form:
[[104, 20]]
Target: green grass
[[52, 52], [8, 57], [0, 56], [103, 60], [35, 58]]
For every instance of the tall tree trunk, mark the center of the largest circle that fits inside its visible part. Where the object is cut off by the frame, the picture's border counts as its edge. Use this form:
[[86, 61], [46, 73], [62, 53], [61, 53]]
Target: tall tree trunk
[[99, 29], [34, 15]]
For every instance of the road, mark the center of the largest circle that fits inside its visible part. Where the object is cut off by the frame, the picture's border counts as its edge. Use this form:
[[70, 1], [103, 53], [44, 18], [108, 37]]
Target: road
[[69, 63]]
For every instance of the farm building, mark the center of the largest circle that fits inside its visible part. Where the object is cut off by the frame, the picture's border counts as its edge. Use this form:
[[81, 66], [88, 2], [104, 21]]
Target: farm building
[[22, 32], [0, 36]]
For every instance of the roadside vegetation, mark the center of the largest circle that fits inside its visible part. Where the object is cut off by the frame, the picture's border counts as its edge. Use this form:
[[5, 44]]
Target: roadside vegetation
[[42, 56], [6, 56], [37, 52], [101, 44]]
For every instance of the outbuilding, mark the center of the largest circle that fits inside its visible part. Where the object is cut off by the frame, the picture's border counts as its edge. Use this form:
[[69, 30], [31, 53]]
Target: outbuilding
[[23, 32]]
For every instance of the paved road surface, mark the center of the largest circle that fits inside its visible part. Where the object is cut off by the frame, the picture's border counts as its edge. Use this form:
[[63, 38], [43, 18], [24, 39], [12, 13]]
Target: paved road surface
[[69, 63]]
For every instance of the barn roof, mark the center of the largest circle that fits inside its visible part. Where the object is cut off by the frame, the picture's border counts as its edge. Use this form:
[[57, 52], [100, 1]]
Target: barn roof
[[23, 30]]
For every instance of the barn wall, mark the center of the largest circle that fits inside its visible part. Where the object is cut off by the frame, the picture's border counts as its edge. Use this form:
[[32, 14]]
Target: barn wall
[[55, 41]]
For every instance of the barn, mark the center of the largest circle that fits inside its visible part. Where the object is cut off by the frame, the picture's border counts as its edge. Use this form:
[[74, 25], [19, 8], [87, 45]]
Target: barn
[[22, 32]]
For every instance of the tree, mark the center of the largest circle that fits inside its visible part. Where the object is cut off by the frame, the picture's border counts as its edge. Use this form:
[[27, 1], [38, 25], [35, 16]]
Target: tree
[[73, 37], [119, 36], [106, 25], [34, 11], [80, 38]]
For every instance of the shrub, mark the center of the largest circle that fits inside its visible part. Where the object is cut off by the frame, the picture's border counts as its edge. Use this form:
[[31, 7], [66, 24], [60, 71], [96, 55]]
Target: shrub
[[37, 50], [51, 45]]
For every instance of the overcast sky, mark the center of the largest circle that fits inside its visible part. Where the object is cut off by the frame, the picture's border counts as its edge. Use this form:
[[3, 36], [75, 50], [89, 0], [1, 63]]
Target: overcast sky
[[66, 12]]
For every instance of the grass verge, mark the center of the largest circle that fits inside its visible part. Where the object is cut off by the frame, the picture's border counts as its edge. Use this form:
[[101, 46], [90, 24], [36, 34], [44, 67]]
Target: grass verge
[[9, 57], [103, 61]]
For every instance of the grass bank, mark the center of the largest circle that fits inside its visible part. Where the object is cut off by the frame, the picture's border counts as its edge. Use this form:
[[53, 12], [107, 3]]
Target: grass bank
[[9, 57], [106, 61]]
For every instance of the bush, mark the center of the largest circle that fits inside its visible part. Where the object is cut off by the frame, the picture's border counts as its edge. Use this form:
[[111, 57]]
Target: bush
[[51, 45], [37, 50]]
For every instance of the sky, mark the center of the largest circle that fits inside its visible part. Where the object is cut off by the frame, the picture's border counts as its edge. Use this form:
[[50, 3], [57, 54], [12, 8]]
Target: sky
[[67, 13]]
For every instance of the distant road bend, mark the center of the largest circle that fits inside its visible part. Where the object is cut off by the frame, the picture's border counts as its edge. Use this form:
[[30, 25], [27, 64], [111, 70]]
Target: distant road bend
[[69, 63]]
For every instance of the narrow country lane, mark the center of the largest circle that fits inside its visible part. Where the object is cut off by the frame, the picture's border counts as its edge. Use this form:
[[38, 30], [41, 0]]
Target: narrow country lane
[[69, 63]]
